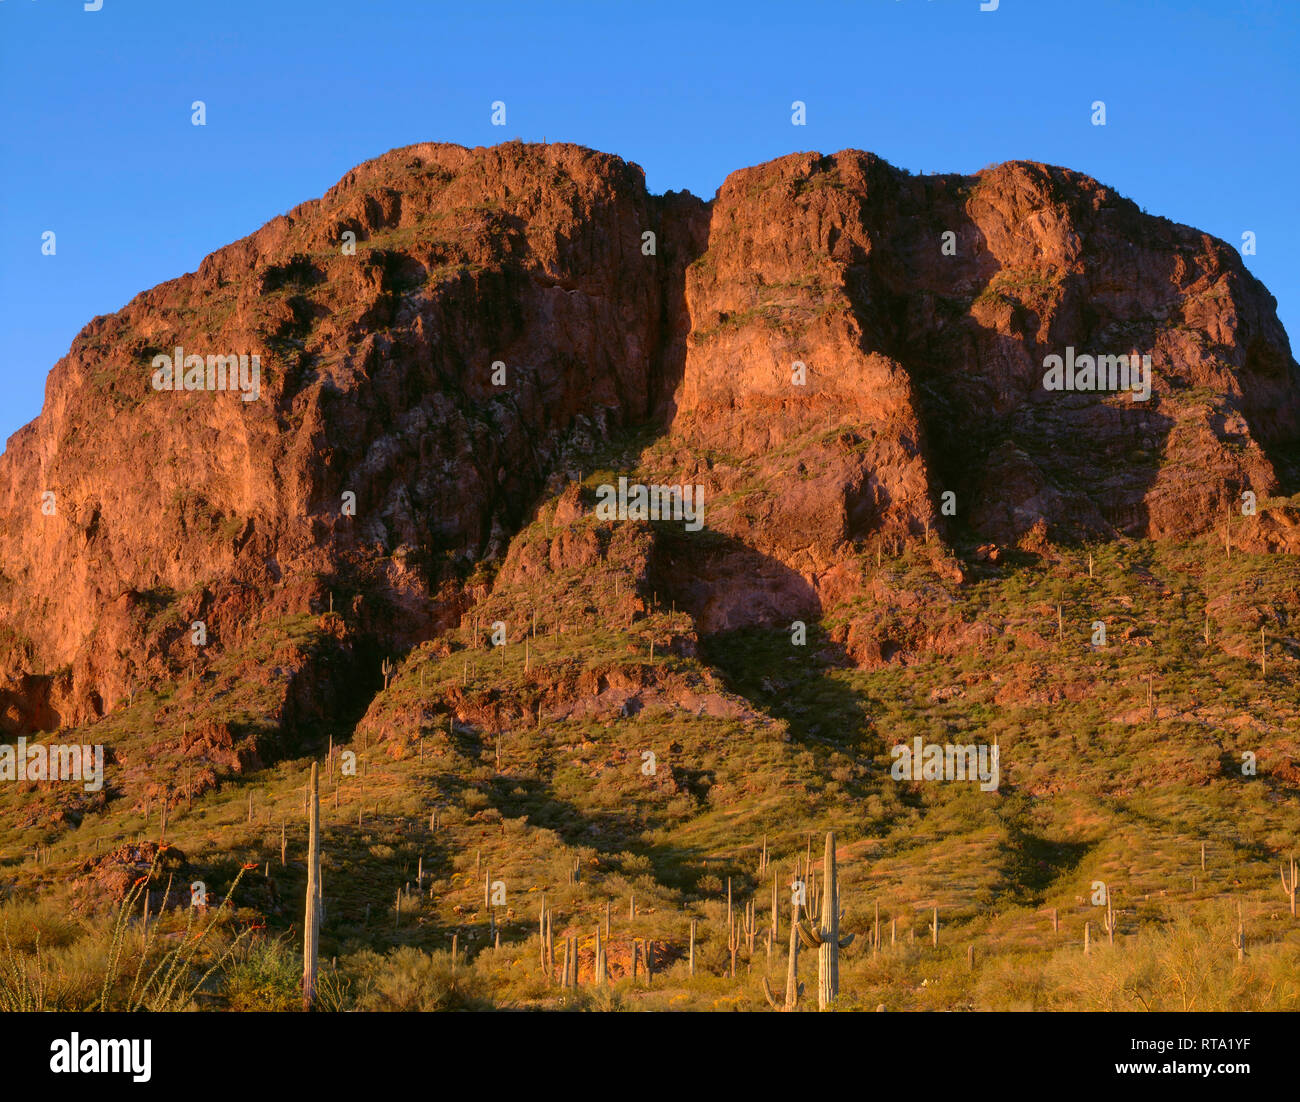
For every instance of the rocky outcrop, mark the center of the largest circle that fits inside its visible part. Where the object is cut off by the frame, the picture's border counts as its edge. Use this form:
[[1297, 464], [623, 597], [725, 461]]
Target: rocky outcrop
[[830, 347], [379, 385], [921, 310]]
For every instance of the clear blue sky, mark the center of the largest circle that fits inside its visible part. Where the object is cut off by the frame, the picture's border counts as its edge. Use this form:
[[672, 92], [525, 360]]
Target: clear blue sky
[[96, 141]]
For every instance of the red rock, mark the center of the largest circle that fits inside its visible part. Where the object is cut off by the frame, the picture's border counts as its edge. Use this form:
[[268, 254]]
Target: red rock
[[924, 375]]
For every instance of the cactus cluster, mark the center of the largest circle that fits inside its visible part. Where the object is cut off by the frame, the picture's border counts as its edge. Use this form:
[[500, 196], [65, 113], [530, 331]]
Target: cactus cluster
[[822, 934]]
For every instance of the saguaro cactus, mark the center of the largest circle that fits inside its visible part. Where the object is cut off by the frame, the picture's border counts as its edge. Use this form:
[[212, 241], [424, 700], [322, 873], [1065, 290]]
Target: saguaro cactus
[[793, 989], [544, 936], [1288, 886], [599, 964], [569, 970], [825, 936], [311, 921]]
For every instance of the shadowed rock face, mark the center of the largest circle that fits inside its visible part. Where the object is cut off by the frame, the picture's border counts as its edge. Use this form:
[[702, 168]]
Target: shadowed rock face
[[923, 374]]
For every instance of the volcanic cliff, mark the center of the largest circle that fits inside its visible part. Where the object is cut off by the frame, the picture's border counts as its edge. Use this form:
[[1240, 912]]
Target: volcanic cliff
[[449, 336]]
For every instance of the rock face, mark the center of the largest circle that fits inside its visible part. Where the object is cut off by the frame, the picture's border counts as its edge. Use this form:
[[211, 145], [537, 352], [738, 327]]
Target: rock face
[[377, 381], [828, 347], [924, 359]]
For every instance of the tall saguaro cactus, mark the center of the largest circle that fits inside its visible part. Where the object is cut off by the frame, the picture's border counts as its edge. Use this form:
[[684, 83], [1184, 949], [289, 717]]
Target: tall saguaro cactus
[[825, 936], [793, 988], [1289, 886], [311, 921], [599, 967]]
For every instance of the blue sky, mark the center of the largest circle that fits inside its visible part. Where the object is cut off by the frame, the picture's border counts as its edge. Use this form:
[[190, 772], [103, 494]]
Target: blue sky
[[96, 141]]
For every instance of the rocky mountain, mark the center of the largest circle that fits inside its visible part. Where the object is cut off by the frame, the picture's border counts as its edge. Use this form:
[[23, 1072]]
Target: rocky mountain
[[844, 356]]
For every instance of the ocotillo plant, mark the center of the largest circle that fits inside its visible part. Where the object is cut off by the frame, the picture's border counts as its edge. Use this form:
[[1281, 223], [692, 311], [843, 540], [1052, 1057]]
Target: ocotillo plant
[[825, 937], [1288, 886], [311, 921]]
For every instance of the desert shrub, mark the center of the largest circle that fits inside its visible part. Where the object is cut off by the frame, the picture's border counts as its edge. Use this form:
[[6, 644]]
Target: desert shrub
[[409, 979], [266, 975]]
